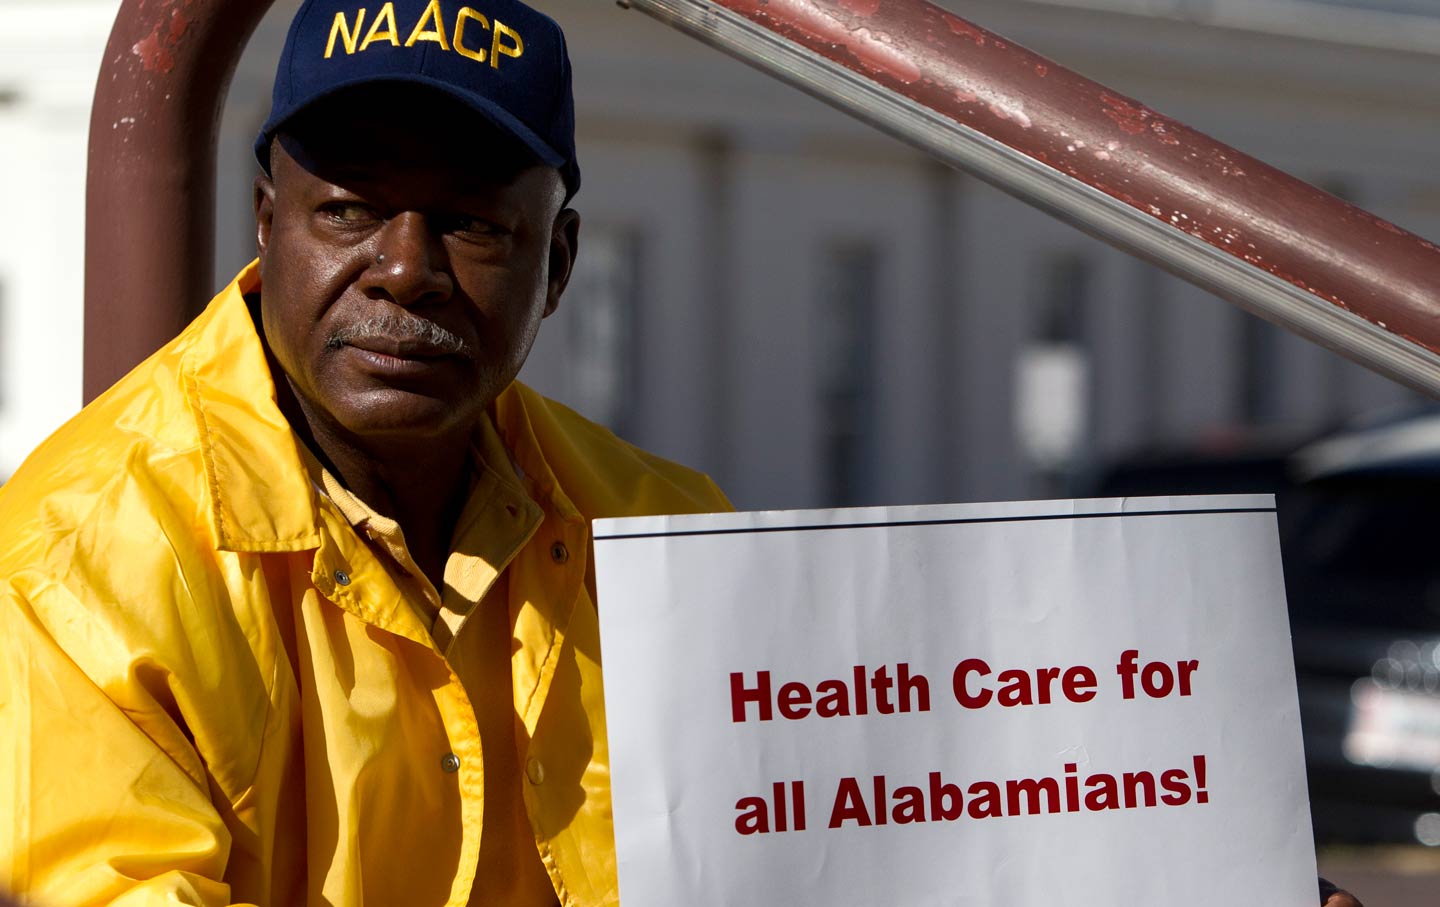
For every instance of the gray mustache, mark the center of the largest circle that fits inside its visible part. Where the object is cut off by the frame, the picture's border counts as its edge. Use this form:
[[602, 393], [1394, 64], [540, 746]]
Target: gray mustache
[[404, 328]]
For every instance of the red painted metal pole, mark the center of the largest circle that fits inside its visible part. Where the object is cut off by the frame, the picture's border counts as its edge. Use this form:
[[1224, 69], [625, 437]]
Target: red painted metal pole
[[150, 194], [1105, 163]]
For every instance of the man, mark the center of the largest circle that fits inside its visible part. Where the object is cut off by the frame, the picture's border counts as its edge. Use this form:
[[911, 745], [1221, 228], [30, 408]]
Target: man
[[302, 610]]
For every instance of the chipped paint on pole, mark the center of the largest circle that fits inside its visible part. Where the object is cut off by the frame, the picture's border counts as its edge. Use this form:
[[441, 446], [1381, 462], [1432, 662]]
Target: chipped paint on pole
[[1103, 162], [150, 192], [156, 49]]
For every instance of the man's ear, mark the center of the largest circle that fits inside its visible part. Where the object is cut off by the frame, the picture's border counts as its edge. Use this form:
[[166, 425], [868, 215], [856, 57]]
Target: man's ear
[[264, 214], [564, 244]]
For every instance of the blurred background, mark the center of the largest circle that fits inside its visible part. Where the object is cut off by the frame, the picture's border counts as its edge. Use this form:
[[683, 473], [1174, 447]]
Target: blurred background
[[820, 316]]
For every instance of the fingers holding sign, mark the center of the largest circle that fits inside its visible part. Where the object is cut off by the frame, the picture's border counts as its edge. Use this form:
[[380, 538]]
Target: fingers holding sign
[[1330, 896]]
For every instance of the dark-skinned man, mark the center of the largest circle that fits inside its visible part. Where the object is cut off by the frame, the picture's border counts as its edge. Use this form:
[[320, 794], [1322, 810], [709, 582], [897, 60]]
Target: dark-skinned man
[[302, 610]]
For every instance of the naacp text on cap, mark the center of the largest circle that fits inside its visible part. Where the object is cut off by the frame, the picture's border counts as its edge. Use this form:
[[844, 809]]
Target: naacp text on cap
[[504, 40]]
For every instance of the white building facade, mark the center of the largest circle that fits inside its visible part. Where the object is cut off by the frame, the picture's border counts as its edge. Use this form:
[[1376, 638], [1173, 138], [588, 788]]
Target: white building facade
[[49, 60]]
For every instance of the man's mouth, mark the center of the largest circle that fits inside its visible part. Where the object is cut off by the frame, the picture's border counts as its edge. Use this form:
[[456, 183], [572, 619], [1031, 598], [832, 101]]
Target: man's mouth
[[400, 338], [402, 347]]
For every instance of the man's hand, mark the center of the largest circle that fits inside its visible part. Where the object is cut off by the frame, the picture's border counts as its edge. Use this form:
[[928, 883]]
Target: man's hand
[[1330, 896]]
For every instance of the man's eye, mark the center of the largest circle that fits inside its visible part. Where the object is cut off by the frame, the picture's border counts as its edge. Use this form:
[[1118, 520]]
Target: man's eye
[[348, 213], [472, 226]]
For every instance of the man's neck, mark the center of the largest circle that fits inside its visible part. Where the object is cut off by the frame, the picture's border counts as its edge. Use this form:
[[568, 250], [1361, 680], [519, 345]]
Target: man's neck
[[419, 483]]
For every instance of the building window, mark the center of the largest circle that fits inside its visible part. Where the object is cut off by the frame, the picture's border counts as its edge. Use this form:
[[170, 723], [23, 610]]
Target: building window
[[603, 302], [849, 284], [1260, 391], [1149, 308], [1052, 392]]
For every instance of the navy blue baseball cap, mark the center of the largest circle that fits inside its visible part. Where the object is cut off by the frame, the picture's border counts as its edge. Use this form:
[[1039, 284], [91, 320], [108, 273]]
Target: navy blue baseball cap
[[500, 58]]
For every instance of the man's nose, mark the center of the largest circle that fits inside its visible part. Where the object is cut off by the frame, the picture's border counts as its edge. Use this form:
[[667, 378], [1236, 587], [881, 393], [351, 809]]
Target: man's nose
[[411, 266]]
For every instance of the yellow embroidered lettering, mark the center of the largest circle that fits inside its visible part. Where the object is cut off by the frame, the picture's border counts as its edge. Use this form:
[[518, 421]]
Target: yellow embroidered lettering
[[465, 14], [387, 17], [497, 48], [342, 28], [435, 33]]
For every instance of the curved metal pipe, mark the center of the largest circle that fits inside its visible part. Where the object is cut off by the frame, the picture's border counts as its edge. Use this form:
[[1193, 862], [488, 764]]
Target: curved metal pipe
[[150, 190], [1097, 159], [1107, 164]]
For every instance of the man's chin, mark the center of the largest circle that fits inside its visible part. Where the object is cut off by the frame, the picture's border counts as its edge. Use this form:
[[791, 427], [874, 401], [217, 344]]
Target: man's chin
[[398, 417]]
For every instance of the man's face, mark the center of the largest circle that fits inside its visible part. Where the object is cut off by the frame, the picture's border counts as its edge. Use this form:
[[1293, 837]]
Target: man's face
[[407, 256]]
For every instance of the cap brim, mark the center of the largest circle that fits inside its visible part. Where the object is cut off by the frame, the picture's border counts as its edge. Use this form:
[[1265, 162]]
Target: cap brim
[[488, 110]]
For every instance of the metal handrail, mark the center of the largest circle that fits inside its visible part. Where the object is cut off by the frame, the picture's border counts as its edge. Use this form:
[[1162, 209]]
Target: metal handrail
[[150, 187], [1104, 163]]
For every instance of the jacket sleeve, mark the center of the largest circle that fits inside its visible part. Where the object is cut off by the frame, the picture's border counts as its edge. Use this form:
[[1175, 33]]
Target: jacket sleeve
[[92, 809]]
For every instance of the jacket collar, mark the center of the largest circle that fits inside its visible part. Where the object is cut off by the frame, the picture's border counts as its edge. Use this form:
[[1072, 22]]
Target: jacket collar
[[261, 498]]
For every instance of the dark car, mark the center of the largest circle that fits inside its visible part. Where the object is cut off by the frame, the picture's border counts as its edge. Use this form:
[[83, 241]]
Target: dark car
[[1358, 518]]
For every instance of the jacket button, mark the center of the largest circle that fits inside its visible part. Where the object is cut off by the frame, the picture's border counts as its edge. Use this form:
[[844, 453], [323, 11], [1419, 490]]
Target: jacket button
[[450, 763], [559, 553], [342, 577], [535, 771]]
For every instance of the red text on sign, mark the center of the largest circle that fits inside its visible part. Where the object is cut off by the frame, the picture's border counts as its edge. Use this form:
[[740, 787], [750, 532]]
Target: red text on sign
[[1157, 678], [1016, 687], [887, 693]]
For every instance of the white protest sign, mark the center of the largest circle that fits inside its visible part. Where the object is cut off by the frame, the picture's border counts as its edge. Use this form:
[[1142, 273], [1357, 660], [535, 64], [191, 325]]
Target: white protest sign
[[1078, 702]]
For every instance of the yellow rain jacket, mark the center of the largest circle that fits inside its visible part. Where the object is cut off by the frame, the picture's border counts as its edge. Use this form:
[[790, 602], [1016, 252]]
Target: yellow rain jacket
[[211, 691]]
